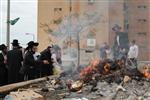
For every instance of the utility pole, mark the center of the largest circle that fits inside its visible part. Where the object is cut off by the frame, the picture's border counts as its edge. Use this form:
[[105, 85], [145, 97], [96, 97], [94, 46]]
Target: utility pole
[[78, 44], [126, 16], [70, 10], [8, 24]]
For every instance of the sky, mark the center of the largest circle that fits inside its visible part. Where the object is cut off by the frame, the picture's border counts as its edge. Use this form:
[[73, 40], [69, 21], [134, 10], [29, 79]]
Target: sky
[[27, 11]]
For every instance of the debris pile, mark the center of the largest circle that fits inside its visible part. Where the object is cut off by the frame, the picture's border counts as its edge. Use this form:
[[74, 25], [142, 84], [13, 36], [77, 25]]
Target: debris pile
[[100, 80]]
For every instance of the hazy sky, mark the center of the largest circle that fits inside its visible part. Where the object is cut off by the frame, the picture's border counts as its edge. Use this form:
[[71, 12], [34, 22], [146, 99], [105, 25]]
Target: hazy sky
[[27, 11]]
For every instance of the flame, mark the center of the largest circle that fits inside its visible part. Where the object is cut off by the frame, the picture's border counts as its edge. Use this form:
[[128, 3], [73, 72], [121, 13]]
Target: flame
[[146, 73], [89, 69], [94, 63], [85, 71], [107, 67], [93, 68]]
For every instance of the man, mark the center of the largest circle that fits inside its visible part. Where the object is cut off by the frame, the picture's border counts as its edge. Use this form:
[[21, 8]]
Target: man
[[121, 40], [31, 63], [14, 61], [3, 61], [46, 69], [133, 53]]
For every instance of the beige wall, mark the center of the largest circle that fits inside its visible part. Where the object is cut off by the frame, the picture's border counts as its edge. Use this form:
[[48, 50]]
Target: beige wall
[[80, 7], [109, 12], [136, 13], [46, 15]]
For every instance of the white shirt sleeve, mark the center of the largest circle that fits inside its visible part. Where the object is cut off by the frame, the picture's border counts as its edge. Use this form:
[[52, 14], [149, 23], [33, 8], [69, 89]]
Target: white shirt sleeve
[[130, 52], [136, 51], [118, 40]]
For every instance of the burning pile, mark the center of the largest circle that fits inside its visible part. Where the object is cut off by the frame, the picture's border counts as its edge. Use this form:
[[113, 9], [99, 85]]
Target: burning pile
[[144, 69], [100, 68], [105, 80], [108, 70]]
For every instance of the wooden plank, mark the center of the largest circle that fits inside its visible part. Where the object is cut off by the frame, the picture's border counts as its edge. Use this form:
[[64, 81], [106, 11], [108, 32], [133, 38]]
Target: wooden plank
[[10, 87]]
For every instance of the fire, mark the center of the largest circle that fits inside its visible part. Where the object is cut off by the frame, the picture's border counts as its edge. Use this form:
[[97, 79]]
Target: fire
[[107, 68], [93, 66], [99, 67], [89, 71], [94, 63], [146, 72], [85, 72]]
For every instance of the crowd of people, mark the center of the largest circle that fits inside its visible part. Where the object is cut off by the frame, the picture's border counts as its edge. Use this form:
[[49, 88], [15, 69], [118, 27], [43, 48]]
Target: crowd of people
[[121, 49], [130, 54], [17, 65]]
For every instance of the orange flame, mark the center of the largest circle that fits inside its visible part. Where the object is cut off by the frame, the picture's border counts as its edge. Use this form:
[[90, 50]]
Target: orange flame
[[94, 63], [107, 68], [146, 73]]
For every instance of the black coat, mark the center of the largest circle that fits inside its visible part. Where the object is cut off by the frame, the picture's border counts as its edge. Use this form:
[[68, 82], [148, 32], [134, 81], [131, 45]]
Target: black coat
[[3, 71], [46, 69], [123, 40], [30, 65], [14, 60]]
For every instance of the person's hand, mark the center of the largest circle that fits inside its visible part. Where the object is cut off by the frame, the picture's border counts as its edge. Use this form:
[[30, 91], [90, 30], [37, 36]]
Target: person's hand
[[45, 62]]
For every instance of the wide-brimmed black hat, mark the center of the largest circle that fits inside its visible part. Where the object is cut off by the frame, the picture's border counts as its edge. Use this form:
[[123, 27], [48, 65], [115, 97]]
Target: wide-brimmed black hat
[[116, 27], [15, 42], [31, 44], [3, 46]]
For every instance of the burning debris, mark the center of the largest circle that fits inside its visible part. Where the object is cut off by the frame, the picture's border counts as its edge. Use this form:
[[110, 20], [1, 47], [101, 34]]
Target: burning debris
[[100, 69], [100, 80]]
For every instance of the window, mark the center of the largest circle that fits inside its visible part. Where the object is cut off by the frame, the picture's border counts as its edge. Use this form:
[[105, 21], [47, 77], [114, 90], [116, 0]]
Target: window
[[142, 20], [142, 6], [141, 33], [57, 9]]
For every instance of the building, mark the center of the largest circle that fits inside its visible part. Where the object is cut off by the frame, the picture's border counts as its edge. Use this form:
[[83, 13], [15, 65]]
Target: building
[[66, 21]]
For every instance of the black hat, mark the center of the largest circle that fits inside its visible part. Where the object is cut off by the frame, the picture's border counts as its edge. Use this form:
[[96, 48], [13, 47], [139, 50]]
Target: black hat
[[31, 44], [116, 27], [15, 42], [3, 46]]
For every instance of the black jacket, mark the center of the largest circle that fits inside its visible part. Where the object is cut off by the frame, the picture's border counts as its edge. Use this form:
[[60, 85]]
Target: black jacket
[[14, 61], [29, 62], [123, 40], [46, 69], [3, 71], [2, 65]]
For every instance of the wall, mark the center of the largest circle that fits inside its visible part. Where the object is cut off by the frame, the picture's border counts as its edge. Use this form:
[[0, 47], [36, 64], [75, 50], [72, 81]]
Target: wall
[[88, 19], [93, 20], [139, 26]]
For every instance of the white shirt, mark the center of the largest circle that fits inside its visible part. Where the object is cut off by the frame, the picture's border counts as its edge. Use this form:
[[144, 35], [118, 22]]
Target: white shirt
[[133, 51], [109, 54], [36, 55], [118, 40]]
